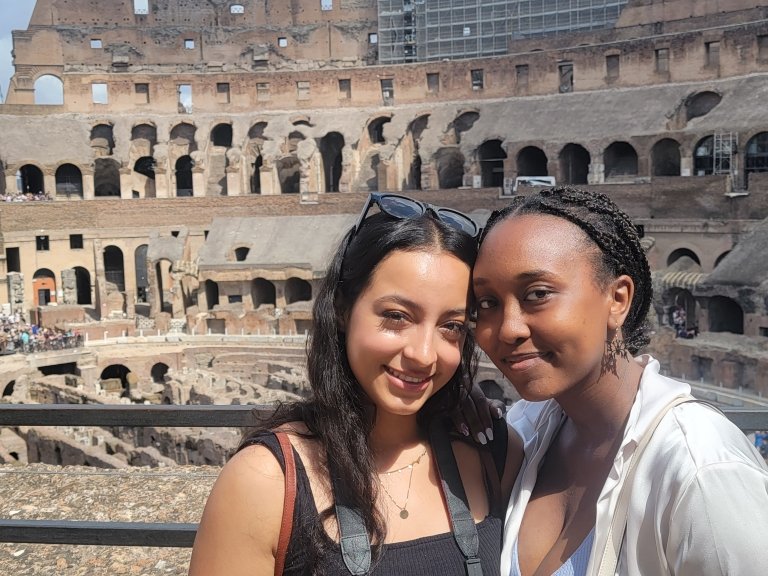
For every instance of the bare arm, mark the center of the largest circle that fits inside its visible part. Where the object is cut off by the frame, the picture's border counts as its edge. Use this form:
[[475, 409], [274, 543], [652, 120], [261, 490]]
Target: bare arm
[[240, 526]]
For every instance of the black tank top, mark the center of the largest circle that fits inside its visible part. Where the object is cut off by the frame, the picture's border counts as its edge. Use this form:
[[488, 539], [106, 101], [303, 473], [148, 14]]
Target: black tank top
[[437, 555]]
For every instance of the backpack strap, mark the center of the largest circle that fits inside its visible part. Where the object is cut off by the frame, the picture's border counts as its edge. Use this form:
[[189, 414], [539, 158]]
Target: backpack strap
[[462, 523], [289, 502]]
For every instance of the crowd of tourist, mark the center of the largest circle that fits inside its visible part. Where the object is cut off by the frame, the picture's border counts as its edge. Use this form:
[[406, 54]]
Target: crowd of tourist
[[16, 335], [26, 197]]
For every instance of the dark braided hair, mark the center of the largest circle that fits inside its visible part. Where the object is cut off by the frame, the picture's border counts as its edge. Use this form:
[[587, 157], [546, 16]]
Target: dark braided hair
[[613, 233]]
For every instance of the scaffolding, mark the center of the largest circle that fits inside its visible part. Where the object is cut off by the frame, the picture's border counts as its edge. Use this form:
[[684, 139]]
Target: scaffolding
[[422, 30]]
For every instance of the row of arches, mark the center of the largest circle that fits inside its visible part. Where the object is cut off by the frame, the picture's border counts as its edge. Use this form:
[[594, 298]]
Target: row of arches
[[263, 292], [723, 314]]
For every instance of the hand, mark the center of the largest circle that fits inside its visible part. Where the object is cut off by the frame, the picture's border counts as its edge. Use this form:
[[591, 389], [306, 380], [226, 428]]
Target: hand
[[476, 414]]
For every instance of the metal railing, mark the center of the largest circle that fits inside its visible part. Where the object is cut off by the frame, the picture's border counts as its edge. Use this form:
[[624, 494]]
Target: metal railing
[[170, 535]]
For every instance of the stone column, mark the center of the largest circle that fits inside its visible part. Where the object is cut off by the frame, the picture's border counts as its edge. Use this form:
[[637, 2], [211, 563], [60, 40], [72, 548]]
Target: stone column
[[89, 188], [69, 286], [198, 181], [16, 293], [126, 184], [161, 183]]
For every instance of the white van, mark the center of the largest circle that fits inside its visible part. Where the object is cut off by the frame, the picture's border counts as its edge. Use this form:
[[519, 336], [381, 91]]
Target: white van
[[533, 181]]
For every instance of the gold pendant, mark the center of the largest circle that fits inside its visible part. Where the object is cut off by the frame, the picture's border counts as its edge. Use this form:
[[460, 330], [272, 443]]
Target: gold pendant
[[403, 513]]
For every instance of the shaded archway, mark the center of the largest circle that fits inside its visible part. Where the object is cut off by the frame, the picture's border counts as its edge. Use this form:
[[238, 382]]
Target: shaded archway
[[756, 159], [183, 136], [49, 90], [297, 290], [331, 146], [144, 132], [449, 164], [703, 156], [158, 372], [463, 123], [532, 161], [114, 269], [106, 177], [665, 158], [211, 294], [262, 292], [680, 298], [725, 315], [103, 139], [679, 253], [491, 156], [144, 176], [8, 390], [256, 175], [69, 181], [620, 160], [289, 174], [119, 372], [142, 273], [574, 164], [183, 170], [221, 135], [414, 132], [164, 285], [44, 286], [30, 179], [720, 258], [376, 129], [83, 282], [700, 104]]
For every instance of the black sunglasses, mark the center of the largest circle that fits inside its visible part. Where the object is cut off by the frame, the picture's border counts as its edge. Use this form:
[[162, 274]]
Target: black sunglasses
[[401, 207]]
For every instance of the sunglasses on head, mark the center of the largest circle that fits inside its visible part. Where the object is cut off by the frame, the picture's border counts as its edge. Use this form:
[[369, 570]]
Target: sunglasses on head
[[401, 207]]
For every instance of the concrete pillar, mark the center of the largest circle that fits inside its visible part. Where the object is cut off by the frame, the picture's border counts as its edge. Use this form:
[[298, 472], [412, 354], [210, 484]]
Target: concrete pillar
[[198, 182], [49, 183], [686, 165], [269, 182], [162, 187], [126, 183], [89, 188], [234, 182]]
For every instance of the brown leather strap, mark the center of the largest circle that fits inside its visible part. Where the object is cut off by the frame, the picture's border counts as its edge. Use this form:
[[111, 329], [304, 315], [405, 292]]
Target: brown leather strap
[[289, 502]]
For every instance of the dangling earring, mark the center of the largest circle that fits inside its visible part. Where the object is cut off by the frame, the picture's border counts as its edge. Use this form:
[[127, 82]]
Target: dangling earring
[[614, 348]]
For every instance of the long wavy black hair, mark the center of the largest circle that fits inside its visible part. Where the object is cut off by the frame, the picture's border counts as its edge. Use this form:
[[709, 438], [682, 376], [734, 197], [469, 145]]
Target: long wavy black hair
[[611, 230], [338, 414]]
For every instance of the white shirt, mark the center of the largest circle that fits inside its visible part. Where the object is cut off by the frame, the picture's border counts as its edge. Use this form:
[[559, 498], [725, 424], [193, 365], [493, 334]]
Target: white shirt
[[699, 502]]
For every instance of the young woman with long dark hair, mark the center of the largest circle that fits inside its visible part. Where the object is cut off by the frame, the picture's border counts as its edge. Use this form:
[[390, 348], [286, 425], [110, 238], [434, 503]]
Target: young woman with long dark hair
[[389, 356]]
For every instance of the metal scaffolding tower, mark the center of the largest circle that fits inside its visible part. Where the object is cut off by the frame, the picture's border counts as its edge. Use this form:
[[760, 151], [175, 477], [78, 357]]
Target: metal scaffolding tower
[[725, 159]]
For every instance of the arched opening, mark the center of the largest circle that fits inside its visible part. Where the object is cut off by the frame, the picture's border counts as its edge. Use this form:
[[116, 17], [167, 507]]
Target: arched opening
[[211, 294], [757, 154], [679, 253], [164, 285], [682, 307], [106, 177], [241, 253], [111, 374], [289, 174], [102, 139], [184, 176], [620, 160], [531, 161], [256, 132], [415, 130], [331, 146], [69, 181], [297, 290], [449, 163], [183, 137], [30, 179], [44, 287], [49, 90], [376, 129], [8, 390], [492, 390], [463, 123], [700, 104], [491, 156], [725, 315], [720, 258], [665, 157], [114, 270], [142, 272], [144, 177], [221, 135], [256, 176], [158, 372], [83, 282], [262, 292], [144, 132], [703, 157], [574, 164]]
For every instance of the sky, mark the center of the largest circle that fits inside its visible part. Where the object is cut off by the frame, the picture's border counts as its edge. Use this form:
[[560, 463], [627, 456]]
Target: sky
[[14, 15]]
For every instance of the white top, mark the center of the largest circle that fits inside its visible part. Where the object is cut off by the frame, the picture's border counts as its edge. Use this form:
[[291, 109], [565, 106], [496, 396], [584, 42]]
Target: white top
[[699, 503]]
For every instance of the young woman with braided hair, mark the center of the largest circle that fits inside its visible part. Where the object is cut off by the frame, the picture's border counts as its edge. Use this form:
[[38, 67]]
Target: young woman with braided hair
[[618, 477]]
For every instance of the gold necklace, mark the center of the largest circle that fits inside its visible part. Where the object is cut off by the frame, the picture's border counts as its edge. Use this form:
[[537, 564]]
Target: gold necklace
[[404, 508]]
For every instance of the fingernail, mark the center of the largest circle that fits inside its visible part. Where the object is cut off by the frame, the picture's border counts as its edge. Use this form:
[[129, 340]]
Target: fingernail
[[499, 413], [464, 429], [481, 438], [489, 433]]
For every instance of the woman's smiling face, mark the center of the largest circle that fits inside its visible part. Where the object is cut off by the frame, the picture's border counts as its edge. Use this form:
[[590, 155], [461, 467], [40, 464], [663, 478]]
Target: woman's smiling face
[[405, 332], [543, 316]]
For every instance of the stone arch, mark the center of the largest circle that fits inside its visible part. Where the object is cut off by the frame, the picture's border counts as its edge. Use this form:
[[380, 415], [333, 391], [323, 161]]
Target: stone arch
[[665, 158], [704, 156], [331, 146], [449, 165], [294, 138], [44, 286], [701, 104], [574, 164], [532, 161], [183, 136], [720, 258], [183, 172], [297, 290], [103, 139], [376, 129], [463, 123], [289, 174], [756, 156], [9, 388], [143, 177], [145, 131], [30, 179], [256, 175], [413, 134], [681, 298], [725, 315], [680, 253], [491, 156], [620, 160], [69, 181], [117, 371], [114, 268], [241, 253], [262, 292], [164, 285], [83, 284], [256, 132], [221, 135], [158, 372], [211, 294], [141, 273], [49, 90], [106, 177]]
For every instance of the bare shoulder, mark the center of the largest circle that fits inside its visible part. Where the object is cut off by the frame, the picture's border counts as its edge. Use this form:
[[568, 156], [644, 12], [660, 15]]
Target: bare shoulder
[[240, 528]]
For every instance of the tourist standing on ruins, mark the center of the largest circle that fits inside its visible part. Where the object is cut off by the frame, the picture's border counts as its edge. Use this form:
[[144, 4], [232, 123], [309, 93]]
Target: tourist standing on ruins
[[562, 289], [389, 357]]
